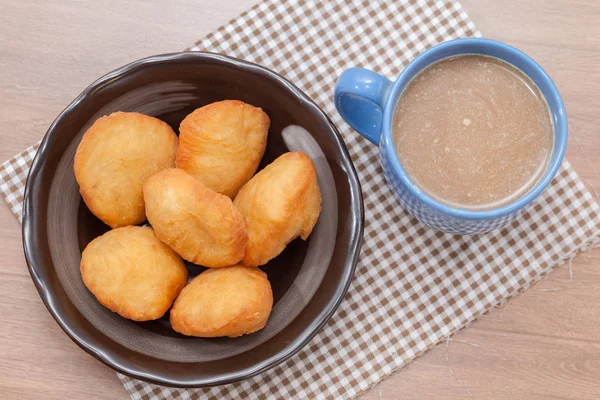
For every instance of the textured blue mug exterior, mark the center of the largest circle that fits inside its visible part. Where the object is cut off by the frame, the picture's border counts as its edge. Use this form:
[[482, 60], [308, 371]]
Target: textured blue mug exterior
[[366, 101]]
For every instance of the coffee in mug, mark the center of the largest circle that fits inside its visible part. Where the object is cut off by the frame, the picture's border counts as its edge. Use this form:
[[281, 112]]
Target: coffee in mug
[[473, 132]]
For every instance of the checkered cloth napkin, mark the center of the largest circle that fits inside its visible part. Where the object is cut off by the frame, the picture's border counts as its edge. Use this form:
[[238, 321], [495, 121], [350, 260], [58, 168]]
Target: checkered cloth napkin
[[414, 287]]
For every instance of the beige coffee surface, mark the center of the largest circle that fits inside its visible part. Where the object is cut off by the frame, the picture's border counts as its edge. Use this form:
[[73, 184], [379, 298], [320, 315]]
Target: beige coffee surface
[[473, 132]]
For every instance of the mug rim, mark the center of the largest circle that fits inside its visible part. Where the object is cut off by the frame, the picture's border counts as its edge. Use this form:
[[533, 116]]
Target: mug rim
[[560, 128]]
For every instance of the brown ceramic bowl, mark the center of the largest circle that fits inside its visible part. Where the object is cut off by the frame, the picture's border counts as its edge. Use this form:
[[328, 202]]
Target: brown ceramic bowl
[[309, 279]]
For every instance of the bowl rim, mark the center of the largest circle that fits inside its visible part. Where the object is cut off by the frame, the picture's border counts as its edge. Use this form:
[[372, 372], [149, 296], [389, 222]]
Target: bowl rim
[[31, 249]]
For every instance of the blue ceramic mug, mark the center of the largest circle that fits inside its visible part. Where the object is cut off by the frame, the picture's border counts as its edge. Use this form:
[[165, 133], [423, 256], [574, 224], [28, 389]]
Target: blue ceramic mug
[[367, 101]]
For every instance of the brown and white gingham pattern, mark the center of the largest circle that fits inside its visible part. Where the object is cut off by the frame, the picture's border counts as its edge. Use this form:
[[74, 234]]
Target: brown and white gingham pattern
[[13, 174], [413, 287]]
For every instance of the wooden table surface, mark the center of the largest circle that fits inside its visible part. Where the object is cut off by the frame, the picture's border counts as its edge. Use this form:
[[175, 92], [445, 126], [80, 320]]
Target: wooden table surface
[[543, 344]]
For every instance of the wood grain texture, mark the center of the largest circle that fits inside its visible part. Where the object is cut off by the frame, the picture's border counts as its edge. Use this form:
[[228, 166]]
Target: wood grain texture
[[543, 344]]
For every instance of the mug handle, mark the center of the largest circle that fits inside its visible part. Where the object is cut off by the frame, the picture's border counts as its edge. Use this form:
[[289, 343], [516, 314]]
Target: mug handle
[[360, 96]]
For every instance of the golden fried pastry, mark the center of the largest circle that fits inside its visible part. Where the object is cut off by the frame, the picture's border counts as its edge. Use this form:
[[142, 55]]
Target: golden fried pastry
[[280, 203], [221, 144], [133, 273], [115, 157], [200, 224], [230, 301]]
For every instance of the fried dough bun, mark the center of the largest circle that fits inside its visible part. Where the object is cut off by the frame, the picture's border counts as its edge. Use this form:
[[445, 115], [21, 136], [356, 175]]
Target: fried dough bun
[[231, 301], [221, 144], [132, 273], [115, 157], [280, 203], [200, 224]]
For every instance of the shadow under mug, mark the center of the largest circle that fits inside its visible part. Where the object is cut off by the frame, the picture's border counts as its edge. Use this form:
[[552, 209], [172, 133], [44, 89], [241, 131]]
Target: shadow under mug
[[367, 100]]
